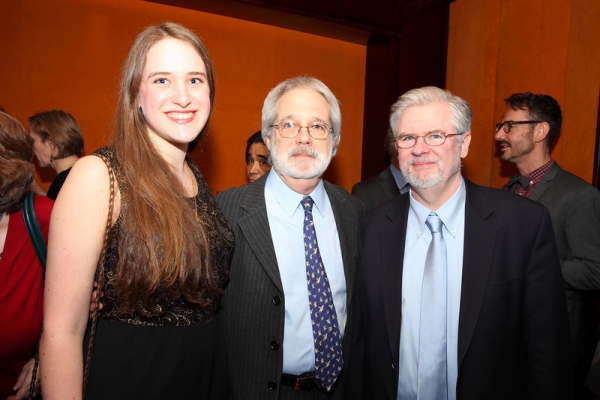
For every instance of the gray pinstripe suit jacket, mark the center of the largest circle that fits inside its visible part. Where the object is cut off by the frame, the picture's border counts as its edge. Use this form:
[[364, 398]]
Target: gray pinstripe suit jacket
[[252, 312]]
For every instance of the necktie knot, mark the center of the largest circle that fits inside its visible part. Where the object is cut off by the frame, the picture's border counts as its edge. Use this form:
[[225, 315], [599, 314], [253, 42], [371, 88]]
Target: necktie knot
[[307, 202], [434, 223]]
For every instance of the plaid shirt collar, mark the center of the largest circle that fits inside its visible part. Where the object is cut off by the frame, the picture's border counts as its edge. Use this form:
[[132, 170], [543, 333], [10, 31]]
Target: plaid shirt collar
[[534, 178]]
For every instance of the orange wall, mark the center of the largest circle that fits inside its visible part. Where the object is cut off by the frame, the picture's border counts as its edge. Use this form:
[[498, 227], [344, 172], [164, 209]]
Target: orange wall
[[500, 47], [67, 54]]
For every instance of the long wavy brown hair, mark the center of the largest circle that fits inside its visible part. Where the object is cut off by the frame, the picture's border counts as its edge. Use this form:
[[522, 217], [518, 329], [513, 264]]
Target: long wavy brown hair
[[161, 245]]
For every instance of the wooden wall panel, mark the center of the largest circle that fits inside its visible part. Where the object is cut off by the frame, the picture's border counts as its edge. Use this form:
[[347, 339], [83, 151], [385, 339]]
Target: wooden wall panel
[[471, 74], [68, 54], [500, 47], [582, 90]]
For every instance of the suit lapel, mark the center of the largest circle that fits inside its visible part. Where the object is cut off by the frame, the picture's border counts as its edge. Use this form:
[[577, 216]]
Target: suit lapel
[[392, 240], [479, 242], [545, 182], [254, 225]]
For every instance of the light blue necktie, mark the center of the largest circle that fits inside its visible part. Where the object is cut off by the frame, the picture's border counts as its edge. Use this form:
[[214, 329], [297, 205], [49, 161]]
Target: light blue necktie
[[432, 369], [326, 332]]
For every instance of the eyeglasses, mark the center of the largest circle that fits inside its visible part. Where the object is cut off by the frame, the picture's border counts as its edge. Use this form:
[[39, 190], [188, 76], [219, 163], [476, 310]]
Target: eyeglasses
[[290, 129], [508, 125], [431, 139]]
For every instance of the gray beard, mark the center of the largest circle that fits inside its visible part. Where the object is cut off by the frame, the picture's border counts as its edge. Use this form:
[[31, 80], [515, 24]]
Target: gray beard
[[431, 180], [311, 170]]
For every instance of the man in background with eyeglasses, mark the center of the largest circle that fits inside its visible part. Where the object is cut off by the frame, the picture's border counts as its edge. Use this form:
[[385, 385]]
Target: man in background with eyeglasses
[[459, 293], [286, 311], [525, 137]]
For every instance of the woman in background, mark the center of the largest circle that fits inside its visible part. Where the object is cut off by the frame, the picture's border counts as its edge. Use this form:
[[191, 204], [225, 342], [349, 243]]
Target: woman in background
[[21, 274], [169, 247], [57, 143]]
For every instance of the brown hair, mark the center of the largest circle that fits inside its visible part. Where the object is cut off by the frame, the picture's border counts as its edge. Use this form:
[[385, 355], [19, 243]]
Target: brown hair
[[16, 170], [61, 128], [160, 245]]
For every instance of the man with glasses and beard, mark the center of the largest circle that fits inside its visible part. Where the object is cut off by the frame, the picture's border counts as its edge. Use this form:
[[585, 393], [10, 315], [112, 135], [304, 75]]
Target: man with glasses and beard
[[525, 136], [285, 313], [459, 293]]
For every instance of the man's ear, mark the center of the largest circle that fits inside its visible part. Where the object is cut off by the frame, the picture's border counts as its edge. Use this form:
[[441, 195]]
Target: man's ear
[[541, 131], [268, 143]]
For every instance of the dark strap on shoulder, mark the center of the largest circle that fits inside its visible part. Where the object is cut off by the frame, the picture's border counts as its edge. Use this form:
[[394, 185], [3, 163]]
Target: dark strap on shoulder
[[33, 229]]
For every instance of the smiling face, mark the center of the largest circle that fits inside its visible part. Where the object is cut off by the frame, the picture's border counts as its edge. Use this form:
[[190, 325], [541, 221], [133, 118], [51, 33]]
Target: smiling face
[[301, 157], [426, 166], [519, 142], [174, 93], [257, 161]]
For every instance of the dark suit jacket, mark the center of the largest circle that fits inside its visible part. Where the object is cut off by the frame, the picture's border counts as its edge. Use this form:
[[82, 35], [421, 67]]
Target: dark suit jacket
[[377, 189], [513, 339], [253, 304], [574, 208]]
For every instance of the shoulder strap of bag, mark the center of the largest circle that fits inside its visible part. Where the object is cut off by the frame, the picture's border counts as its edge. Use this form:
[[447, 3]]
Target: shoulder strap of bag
[[100, 270], [33, 229], [37, 239]]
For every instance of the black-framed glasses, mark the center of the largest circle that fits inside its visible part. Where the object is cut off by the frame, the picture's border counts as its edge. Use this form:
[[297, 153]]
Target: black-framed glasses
[[430, 139], [508, 125], [290, 129]]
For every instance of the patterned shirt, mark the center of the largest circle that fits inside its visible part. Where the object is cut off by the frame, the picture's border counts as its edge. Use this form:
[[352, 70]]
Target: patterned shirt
[[535, 177]]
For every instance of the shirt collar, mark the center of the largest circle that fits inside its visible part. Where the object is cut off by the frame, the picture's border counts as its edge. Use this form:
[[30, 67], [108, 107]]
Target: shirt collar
[[289, 200], [450, 212], [537, 174]]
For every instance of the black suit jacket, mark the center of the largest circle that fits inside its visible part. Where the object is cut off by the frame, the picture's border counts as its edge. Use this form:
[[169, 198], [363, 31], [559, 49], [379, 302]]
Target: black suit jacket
[[377, 189], [513, 339], [574, 207], [252, 312]]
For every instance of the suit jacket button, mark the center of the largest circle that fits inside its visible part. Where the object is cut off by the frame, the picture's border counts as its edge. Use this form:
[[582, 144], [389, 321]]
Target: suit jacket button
[[272, 385], [276, 300], [274, 345]]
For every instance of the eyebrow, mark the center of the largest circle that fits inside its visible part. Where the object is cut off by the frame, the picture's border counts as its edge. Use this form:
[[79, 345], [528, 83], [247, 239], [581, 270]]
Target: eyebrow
[[258, 155], [427, 133], [294, 116], [194, 73]]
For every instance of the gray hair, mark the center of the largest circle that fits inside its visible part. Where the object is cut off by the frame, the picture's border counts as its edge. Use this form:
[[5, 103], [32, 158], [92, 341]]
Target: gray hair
[[459, 108], [269, 111]]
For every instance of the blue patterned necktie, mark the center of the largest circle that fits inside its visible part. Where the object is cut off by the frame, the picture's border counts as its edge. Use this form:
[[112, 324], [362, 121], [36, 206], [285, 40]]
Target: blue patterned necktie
[[326, 332], [432, 372]]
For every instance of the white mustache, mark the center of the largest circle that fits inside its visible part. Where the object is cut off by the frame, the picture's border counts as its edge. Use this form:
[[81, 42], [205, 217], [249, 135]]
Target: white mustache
[[415, 160], [302, 150]]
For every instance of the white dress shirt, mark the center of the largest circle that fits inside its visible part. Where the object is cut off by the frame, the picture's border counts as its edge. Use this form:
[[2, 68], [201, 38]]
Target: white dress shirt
[[286, 221]]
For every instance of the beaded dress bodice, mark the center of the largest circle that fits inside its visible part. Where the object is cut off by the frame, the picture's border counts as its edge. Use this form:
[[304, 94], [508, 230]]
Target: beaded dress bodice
[[173, 311]]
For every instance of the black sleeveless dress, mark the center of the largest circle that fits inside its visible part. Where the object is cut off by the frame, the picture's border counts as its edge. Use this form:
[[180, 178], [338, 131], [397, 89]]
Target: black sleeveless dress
[[179, 354]]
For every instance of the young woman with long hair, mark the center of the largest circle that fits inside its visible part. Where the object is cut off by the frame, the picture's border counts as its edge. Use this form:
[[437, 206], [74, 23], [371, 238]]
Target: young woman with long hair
[[168, 250]]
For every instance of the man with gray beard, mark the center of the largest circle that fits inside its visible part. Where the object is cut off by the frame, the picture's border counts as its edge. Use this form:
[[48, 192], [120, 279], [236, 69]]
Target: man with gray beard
[[459, 293], [286, 312]]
